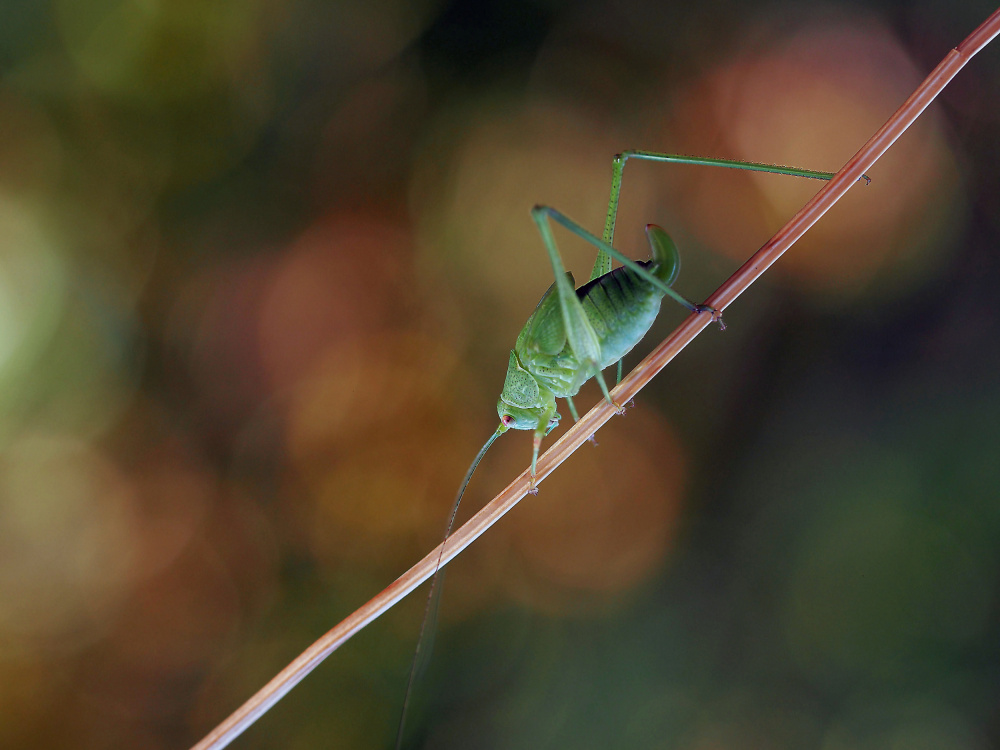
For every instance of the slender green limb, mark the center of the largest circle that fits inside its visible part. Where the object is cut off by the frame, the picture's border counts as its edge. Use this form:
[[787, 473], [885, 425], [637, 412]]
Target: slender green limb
[[599, 377], [433, 596], [572, 226], [579, 332], [540, 432], [708, 161], [603, 263], [572, 409], [576, 417]]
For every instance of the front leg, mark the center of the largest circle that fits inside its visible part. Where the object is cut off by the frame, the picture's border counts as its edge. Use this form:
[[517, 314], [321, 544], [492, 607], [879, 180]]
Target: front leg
[[546, 421]]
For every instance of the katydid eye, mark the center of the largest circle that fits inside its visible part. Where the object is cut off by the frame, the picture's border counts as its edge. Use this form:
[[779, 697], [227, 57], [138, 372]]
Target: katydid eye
[[507, 419]]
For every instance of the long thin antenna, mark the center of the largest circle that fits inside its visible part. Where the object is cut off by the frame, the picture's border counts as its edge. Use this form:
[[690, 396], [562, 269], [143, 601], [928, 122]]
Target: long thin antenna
[[434, 595]]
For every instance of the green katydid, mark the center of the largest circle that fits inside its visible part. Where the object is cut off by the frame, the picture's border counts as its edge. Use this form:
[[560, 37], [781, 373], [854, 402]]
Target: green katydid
[[574, 334]]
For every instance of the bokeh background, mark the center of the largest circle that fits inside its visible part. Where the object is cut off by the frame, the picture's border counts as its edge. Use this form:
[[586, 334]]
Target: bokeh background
[[261, 265]]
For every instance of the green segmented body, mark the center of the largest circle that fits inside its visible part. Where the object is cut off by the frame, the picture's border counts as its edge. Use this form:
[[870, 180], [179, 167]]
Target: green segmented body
[[620, 306]]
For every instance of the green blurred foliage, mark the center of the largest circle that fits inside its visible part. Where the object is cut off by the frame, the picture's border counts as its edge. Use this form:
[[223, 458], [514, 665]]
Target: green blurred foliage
[[261, 264]]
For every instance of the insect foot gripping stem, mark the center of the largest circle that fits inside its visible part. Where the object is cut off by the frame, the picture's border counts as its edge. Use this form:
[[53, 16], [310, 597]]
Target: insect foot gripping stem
[[716, 315]]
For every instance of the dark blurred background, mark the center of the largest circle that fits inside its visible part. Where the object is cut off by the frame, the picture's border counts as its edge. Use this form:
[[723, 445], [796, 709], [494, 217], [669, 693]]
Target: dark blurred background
[[261, 265]]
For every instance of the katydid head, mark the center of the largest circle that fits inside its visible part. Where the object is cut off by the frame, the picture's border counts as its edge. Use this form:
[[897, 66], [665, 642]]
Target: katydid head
[[523, 405], [521, 418]]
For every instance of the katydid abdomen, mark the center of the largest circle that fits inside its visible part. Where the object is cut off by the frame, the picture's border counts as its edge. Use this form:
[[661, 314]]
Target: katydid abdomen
[[620, 306]]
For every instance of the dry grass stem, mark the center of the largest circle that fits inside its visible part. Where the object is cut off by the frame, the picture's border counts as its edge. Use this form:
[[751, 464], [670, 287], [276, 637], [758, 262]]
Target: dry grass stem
[[578, 434]]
